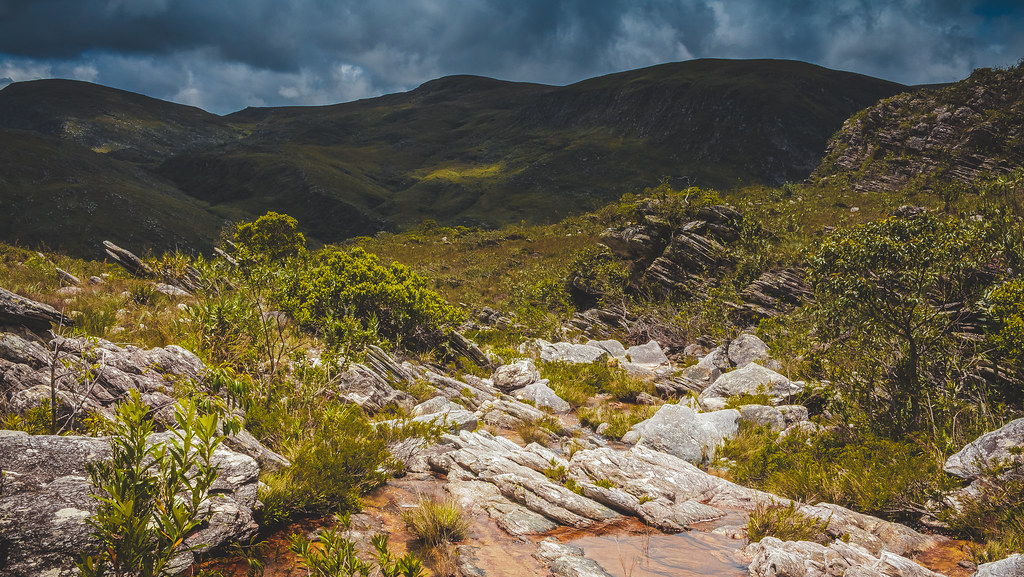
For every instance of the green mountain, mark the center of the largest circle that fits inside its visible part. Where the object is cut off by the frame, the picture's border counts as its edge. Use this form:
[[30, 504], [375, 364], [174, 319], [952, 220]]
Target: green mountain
[[950, 133], [460, 150]]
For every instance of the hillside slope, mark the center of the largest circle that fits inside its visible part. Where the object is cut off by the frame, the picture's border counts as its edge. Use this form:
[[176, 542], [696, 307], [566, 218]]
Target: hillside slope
[[953, 133], [461, 150]]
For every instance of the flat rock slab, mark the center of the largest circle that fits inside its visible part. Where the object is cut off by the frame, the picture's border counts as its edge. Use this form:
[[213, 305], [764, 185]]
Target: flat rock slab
[[570, 353], [514, 376], [1012, 566]]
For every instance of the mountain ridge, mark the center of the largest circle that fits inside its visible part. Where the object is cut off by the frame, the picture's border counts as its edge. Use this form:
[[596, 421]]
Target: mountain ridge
[[459, 149]]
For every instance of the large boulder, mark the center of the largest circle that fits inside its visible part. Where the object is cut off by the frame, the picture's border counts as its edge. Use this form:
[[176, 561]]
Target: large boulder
[[1012, 566], [516, 375], [746, 349], [680, 431], [649, 354], [994, 452], [752, 379], [541, 395], [47, 499]]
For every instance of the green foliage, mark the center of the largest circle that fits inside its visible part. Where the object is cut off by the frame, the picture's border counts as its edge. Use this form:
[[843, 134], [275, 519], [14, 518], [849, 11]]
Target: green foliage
[[224, 328], [595, 277], [992, 516], [437, 521], [863, 472], [1007, 307], [272, 237], [890, 284], [577, 383], [347, 296], [619, 420], [150, 494], [786, 523], [337, 455], [334, 556], [605, 483]]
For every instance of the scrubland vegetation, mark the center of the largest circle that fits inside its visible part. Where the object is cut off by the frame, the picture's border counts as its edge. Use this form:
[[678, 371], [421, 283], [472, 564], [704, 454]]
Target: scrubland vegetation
[[913, 341]]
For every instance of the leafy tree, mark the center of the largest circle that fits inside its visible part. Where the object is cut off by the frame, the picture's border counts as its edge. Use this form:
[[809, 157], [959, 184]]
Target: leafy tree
[[150, 494], [272, 237], [899, 286]]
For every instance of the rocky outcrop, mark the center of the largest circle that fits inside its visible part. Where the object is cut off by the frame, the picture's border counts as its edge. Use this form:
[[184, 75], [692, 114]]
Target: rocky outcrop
[[958, 133], [92, 375], [569, 352], [752, 379], [775, 292], [771, 557], [1012, 566], [47, 499], [18, 311], [361, 386]]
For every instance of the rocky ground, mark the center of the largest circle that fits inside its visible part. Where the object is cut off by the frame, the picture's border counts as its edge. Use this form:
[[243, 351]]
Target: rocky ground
[[533, 505]]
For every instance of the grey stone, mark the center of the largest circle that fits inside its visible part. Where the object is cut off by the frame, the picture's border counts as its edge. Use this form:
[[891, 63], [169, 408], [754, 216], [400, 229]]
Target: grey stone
[[1012, 566], [752, 379], [568, 561], [747, 348], [541, 395], [359, 385], [680, 431], [707, 369], [995, 451], [17, 310], [763, 415], [171, 290], [434, 405], [772, 557], [794, 413], [514, 376], [649, 353], [570, 353], [611, 346]]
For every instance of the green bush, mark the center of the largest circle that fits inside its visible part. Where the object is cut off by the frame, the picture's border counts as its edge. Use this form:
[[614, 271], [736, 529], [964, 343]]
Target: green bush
[[619, 421], [785, 523], [345, 295], [337, 458], [437, 522], [272, 237], [864, 472], [150, 494]]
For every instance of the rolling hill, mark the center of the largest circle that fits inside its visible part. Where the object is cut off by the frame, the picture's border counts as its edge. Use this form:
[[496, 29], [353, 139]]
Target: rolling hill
[[460, 150]]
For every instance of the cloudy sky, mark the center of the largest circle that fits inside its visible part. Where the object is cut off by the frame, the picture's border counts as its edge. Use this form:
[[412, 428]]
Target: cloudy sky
[[224, 55]]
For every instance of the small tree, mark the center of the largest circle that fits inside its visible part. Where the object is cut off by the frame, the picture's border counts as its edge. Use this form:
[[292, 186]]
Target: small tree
[[899, 285], [272, 237], [149, 493]]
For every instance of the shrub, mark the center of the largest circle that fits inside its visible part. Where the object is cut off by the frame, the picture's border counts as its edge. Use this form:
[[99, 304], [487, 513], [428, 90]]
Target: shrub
[[863, 472], [150, 494], [892, 283], [350, 295], [619, 421], [436, 522], [785, 523], [337, 458]]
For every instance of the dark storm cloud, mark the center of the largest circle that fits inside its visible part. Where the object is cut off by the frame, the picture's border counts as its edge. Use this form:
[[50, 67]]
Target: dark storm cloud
[[224, 55]]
